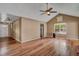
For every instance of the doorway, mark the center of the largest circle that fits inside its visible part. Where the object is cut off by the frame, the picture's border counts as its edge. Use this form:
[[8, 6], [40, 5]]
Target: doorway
[[4, 30], [41, 31]]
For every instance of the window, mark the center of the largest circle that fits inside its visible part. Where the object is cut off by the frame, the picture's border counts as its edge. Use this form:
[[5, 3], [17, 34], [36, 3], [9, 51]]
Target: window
[[60, 28]]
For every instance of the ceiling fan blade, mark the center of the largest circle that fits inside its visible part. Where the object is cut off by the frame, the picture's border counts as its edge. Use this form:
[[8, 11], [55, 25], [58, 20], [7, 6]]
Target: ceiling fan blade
[[53, 11], [50, 9], [42, 11]]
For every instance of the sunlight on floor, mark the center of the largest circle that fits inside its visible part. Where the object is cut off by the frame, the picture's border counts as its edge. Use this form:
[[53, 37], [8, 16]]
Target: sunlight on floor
[[61, 47]]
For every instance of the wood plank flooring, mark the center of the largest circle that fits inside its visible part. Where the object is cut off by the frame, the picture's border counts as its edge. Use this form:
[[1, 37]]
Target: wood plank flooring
[[39, 47]]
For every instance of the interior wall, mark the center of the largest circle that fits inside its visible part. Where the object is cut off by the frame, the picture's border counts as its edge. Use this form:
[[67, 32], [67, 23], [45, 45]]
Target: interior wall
[[4, 30], [15, 30], [50, 26], [26, 29], [72, 26], [31, 29]]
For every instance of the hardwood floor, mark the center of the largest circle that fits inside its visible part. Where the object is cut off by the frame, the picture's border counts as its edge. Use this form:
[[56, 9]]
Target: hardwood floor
[[44, 47]]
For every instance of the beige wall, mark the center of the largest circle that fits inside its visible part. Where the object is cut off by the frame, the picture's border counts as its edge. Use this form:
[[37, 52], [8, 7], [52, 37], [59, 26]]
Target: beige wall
[[31, 29], [26, 29], [50, 26], [72, 25], [15, 30]]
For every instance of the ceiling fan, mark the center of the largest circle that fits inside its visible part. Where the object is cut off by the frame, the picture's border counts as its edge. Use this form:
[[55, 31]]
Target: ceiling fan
[[48, 11]]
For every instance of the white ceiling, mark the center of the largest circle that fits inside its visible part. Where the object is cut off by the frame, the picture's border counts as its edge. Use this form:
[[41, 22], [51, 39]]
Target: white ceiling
[[32, 10]]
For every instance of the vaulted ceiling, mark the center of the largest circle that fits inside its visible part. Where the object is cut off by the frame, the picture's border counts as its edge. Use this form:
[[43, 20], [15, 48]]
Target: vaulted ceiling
[[32, 10]]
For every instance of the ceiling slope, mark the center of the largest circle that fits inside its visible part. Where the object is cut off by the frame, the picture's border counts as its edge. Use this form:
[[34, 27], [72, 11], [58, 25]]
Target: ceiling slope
[[32, 10]]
